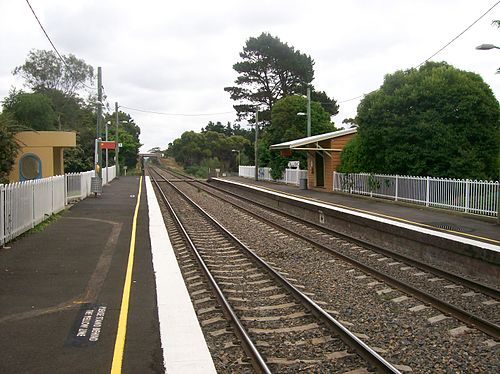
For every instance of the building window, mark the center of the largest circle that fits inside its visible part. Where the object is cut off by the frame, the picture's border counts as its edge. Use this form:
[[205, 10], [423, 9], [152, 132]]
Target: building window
[[30, 167]]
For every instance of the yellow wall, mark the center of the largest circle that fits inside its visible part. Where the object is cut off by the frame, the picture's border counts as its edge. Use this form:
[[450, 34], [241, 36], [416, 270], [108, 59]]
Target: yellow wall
[[47, 146]]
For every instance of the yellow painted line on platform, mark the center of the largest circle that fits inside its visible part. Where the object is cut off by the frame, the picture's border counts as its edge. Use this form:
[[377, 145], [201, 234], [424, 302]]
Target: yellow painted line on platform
[[384, 216], [116, 366]]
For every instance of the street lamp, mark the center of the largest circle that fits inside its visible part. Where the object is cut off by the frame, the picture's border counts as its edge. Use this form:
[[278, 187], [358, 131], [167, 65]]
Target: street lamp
[[302, 114], [237, 159], [117, 144], [256, 145], [107, 152], [486, 47], [308, 114]]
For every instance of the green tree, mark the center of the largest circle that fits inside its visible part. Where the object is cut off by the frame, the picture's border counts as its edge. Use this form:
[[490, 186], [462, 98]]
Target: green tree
[[81, 158], [128, 135], [9, 147], [270, 70], [70, 109], [286, 125], [55, 104], [155, 150], [435, 121], [44, 70], [32, 110], [129, 152], [217, 127], [497, 24], [209, 149]]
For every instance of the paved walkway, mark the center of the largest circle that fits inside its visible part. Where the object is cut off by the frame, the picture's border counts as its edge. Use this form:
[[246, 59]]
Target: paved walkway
[[469, 226], [61, 290]]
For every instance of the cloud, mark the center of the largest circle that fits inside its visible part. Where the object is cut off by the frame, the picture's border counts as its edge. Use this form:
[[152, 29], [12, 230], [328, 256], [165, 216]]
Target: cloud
[[177, 57]]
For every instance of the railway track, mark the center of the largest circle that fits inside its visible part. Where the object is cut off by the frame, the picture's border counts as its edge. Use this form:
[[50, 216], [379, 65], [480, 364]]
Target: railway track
[[473, 303], [281, 328], [434, 334]]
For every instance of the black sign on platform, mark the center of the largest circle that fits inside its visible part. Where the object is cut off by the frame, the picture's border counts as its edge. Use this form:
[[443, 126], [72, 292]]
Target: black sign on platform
[[87, 326]]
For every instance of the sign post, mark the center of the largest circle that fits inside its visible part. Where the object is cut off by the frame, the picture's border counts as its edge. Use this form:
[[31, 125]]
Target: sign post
[[108, 144]]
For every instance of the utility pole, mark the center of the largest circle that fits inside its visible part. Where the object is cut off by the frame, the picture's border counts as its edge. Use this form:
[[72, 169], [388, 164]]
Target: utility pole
[[117, 161], [256, 145], [98, 166], [308, 111], [498, 189], [107, 152]]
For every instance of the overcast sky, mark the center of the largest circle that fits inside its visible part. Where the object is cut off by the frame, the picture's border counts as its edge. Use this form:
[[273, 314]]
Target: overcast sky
[[177, 56]]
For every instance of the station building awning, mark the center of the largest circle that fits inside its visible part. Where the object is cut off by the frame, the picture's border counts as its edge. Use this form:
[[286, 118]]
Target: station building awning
[[311, 143], [319, 167]]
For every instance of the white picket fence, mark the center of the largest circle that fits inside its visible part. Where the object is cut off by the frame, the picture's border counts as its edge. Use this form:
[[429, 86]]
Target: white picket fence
[[290, 176], [23, 205], [477, 197]]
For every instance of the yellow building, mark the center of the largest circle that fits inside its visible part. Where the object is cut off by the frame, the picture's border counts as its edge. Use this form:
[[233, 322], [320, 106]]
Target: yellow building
[[41, 154]]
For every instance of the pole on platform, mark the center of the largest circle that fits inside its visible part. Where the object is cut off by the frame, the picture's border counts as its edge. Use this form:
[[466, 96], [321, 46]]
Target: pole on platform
[[107, 153], [98, 168], [117, 149], [256, 146], [308, 111]]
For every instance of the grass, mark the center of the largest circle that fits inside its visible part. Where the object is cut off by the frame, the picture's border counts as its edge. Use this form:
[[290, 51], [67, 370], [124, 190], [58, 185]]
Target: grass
[[42, 225], [38, 228]]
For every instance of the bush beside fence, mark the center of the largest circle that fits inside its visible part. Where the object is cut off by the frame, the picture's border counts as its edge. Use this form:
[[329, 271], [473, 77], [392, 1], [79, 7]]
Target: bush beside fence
[[477, 197], [23, 205]]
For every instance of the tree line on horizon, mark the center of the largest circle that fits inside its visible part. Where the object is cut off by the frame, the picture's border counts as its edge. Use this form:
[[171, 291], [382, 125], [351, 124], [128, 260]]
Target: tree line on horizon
[[435, 121], [53, 102]]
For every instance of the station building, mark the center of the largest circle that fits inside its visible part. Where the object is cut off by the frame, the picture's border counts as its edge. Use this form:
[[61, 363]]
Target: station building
[[41, 154], [323, 155]]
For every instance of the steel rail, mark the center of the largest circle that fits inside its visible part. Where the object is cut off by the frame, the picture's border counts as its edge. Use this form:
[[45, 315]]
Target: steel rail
[[477, 286], [258, 361], [347, 336], [480, 323]]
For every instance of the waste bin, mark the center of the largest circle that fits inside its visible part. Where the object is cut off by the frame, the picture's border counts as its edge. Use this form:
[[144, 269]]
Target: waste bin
[[303, 183]]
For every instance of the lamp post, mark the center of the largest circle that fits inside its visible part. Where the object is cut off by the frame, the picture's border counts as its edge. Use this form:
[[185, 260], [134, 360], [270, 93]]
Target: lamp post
[[302, 114], [308, 112], [237, 151], [107, 152], [486, 47], [117, 162], [256, 145], [98, 152]]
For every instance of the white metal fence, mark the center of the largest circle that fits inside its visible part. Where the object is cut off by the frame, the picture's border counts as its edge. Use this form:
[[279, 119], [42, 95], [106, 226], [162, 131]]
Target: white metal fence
[[23, 205], [290, 176], [477, 197], [78, 185]]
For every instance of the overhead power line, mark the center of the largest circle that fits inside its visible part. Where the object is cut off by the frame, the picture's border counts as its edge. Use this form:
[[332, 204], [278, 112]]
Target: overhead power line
[[351, 99], [459, 35], [175, 114], [52, 44], [440, 50]]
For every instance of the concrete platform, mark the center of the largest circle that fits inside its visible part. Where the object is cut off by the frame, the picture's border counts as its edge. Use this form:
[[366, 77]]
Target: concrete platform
[[479, 228], [62, 291], [456, 242], [182, 340]]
